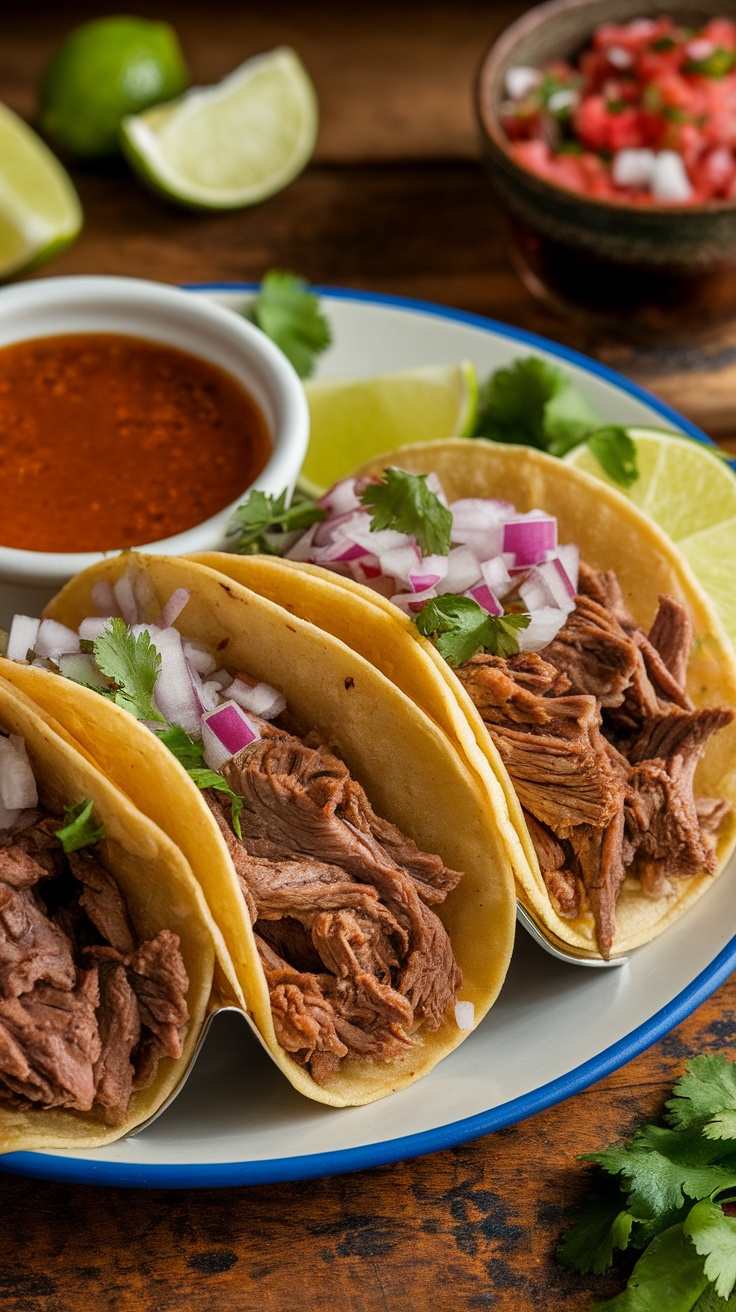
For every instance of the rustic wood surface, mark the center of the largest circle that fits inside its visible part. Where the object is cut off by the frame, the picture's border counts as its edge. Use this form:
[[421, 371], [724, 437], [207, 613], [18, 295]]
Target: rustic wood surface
[[396, 201]]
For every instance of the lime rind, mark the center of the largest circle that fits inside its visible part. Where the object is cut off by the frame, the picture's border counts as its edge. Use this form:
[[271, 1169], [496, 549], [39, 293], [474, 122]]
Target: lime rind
[[40, 212], [231, 145]]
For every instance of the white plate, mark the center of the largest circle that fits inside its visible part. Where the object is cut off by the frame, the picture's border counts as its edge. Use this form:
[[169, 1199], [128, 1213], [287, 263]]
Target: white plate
[[555, 1028]]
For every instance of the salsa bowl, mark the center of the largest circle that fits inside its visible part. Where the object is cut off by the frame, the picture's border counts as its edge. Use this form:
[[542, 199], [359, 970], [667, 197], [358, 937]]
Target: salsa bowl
[[652, 270], [168, 317]]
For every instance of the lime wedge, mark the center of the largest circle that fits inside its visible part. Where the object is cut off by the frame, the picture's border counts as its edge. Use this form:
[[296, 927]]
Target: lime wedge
[[40, 212], [354, 419], [691, 493], [233, 144]]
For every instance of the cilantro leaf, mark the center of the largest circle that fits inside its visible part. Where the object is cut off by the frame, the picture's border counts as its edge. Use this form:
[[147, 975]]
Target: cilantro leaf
[[133, 664], [290, 315], [459, 627], [403, 501], [188, 753], [661, 1167], [534, 403], [79, 830], [615, 452], [265, 523], [706, 1096], [603, 1226], [714, 1236], [209, 779], [668, 1276], [718, 64]]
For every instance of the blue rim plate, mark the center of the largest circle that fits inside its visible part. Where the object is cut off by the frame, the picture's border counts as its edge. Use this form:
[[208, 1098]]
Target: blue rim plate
[[555, 1029]]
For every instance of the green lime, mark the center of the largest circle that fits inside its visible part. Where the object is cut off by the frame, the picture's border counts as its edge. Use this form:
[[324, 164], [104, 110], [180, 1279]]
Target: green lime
[[104, 70], [40, 212], [691, 493], [233, 144], [354, 419]]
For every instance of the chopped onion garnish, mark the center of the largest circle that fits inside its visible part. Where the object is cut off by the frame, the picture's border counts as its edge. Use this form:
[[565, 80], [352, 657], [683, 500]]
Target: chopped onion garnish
[[125, 598], [53, 639], [463, 570], [401, 562], [412, 604], [485, 598], [173, 692], [17, 785], [465, 1015], [8, 818], [22, 637], [200, 657], [225, 732], [341, 498], [207, 694], [548, 585], [260, 698], [103, 598], [174, 607], [496, 576], [544, 625], [304, 546], [569, 555], [93, 627], [530, 537]]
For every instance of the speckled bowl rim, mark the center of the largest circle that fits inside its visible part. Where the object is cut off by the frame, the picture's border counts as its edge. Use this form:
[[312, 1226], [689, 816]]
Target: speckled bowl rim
[[492, 131]]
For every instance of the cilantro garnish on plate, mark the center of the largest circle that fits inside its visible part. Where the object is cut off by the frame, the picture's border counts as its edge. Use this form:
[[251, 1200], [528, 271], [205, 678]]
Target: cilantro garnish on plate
[[535, 404], [266, 523], [80, 829], [459, 627], [403, 502], [669, 1193], [290, 315]]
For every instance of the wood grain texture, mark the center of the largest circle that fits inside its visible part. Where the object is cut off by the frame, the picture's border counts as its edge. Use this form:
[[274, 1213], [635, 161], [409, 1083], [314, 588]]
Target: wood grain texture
[[395, 201]]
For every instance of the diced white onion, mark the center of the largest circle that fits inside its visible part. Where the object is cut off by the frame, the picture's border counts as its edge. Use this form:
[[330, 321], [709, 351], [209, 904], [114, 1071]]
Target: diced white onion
[[496, 575], [545, 624], [619, 57], [22, 637], [173, 692], [125, 598], [565, 98], [200, 657], [633, 168], [93, 627], [463, 570], [670, 182], [700, 48], [465, 1015], [53, 639], [103, 598], [17, 785], [521, 81], [259, 698], [569, 554], [174, 607]]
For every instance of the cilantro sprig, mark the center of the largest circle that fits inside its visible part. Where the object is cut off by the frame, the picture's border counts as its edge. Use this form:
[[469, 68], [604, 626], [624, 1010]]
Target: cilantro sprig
[[459, 627], [667, 1194], [265, 523], [80, 829], [535, 404], [290, 315], [403, 501], [719, 63]]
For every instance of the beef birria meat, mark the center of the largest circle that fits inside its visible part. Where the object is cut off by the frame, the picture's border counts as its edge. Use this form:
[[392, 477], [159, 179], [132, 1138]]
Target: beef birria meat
[[601, 741], [341, 903], [86, 1012]]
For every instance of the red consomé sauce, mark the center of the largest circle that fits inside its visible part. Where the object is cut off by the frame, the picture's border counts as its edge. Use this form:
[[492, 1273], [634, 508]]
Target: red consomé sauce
[[645, 115]]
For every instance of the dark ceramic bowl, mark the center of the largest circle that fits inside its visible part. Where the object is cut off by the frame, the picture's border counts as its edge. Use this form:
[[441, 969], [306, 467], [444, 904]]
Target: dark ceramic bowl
[[650, 270]]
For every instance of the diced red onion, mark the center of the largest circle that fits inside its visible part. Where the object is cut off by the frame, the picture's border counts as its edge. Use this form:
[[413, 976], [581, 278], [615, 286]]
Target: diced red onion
[[342, 548], [431, 570], [225, 732], [548, 585], [17, 785], [496, 575], [221, 678], [378, 541], [93, 627], [485, 598], [463, 570], [260, 698], [530, 537], [103, 598], [53, 639], [173, 692], [82, 668], [207, 694], [473, 514], [465, 1015], [22, 637], [304, 546], [125, 598], [199, 657], [401, 562], [569, 555], [340, 498], [174, 607], [544, 626], [411, 604], [434, 485]]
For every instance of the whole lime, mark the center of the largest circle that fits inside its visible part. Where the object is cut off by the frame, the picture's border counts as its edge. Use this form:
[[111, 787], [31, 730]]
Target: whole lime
[[104, 70]]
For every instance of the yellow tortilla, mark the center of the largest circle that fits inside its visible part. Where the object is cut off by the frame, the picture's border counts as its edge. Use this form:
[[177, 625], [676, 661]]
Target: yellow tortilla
[[159, 892], [410, 770], [611, 534]]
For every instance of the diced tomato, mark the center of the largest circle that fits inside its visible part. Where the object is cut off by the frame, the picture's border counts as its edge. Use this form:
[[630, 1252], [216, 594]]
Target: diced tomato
[[721, 31]]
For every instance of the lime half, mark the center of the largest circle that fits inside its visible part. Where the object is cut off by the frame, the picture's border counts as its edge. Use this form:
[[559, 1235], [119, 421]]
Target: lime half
[[40, 212], [691, 493], [354, 419], [233, 144]]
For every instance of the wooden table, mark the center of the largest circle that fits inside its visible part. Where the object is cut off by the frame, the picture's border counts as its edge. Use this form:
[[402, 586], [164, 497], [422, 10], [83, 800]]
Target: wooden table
[[395, 200]]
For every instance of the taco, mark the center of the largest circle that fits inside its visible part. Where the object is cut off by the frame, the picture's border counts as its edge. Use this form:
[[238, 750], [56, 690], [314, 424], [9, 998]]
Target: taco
[[106, 958], [607, 721], [360, 884]]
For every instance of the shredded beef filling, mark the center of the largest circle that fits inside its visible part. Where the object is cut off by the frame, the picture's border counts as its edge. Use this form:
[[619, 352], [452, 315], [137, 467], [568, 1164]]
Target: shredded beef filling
[[601, 741], [86, 1013], [340, 900]]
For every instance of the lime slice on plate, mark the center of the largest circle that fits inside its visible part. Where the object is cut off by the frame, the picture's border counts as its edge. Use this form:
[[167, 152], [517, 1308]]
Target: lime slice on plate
[[40, 212], [691, 493], [354, 419], [233, 144]]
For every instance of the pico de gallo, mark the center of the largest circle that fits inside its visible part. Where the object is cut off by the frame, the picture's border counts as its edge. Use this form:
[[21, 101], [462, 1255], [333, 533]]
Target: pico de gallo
[[646, 114]]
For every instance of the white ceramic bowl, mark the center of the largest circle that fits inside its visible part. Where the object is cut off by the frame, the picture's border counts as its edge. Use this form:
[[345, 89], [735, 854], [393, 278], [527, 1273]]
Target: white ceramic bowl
[[158, 313]]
